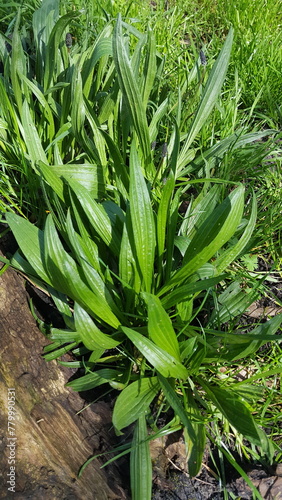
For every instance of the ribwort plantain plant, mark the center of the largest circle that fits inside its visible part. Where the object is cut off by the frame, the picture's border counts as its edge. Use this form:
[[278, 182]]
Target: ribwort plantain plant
[[132, 254]]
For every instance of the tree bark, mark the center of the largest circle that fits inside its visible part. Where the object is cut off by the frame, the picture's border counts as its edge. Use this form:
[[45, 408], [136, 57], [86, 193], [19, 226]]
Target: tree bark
[[51, 440]]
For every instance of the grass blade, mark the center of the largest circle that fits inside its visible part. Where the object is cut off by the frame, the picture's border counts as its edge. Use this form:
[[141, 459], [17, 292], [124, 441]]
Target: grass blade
[[230, 405]]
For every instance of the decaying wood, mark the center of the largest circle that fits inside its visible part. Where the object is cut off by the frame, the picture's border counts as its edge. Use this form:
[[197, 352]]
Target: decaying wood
[[52, 441]]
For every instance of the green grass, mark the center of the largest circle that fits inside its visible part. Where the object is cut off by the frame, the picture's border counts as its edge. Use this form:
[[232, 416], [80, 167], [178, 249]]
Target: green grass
[[156, 172]]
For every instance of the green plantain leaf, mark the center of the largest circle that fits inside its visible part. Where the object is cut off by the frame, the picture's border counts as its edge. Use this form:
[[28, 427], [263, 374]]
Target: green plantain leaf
[[88, 175], [230, 254], [43, 21], [160, 327], [211, 92], [30, 240], [149, 71], [166, 364], [195, 448], [97, 216], [64, 335], [172, 223], [127, 263], [142, 221], [65, 276], [102, 47], [132, 95], [212, 234], [157, 116], [94, 379], [46, 109], [53, 58], [199, 210], [18, 63], [90, 334], [31, 137], [134, 400], [91, 270], [140, 463], [183, 292], [163, 214]]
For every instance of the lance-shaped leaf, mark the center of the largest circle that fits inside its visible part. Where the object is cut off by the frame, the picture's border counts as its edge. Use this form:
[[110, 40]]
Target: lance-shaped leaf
[[65, 276], [88, 175], [96, 215], [166, 364], [185, 292], [194, 428], [230, 254], [131, 93], [160, 327], [195, 448], [90, 334], [102, 47], [31, 137], [140, 463], [163, 214], [47, 111], [127, 263], [94, 379], [211, 92], [31, 241], [212, 234], [134, 400], [142, 221], [91, 269], [18, 63], [149, 72], [53, 61]]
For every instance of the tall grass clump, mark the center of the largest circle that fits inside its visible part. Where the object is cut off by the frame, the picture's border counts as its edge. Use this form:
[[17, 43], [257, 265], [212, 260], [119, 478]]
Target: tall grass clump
[[136, 236]]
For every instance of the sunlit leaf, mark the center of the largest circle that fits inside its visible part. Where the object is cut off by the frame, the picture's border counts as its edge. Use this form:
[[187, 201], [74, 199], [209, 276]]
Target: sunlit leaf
[[133, 401], [166, 364], [94, 379], [160, 327], [211, 92], [90, 334], [140, 462], [142, 221]]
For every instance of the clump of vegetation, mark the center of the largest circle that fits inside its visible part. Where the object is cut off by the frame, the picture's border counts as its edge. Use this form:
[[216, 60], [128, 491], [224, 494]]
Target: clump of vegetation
[[150, 200]]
